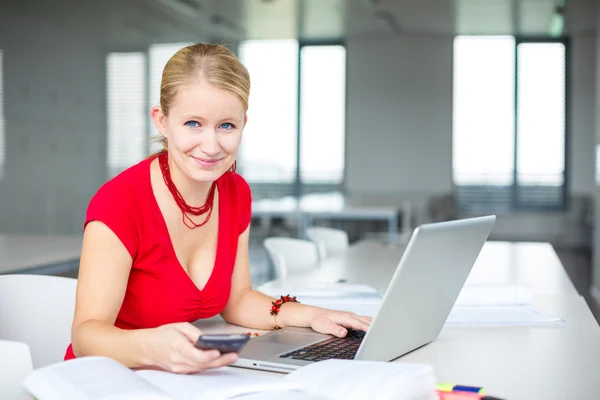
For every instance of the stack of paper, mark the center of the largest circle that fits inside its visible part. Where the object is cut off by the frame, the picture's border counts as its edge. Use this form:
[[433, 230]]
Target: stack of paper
[[477, 304], [359, 299], [498, 305]]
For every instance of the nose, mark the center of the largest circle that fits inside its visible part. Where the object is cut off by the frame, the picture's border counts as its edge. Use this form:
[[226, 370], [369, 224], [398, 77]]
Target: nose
[[210, 143]]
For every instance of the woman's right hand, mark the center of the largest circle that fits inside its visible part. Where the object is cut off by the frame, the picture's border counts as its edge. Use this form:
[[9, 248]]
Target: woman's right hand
[[171, 348]]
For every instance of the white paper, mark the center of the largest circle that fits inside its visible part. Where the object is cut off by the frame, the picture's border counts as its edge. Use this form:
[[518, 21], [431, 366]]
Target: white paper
[[353, 379], [368, 310], [215, 384], [286, 395], [90, 378], [324, 290], [499, 316], [360, 299], [495, 295]]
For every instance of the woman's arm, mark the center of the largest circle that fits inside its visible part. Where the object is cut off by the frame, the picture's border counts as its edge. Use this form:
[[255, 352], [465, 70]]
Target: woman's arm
[[250, 308], [103, 275]]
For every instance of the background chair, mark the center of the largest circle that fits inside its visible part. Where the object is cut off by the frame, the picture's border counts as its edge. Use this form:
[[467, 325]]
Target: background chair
[[15, 365], [330, 241], [289, 254], [38, 310]]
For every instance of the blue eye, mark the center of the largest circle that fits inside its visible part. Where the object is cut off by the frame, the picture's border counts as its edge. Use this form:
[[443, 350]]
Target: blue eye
[[192, 124], [227, 126]]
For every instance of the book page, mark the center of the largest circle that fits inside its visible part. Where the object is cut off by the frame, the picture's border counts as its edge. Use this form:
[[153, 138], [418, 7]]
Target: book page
[[215, 384], [495, 295], [286, 395], [353, 379], [90, 378]]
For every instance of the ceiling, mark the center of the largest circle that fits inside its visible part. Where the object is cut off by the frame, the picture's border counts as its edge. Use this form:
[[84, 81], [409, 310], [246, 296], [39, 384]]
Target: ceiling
[[135, 22], [335, 19]]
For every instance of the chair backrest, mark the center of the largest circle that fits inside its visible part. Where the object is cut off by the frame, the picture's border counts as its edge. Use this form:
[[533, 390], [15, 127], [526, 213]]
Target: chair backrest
[[331, 242], [289, 254], [38, 310], [15, 365]]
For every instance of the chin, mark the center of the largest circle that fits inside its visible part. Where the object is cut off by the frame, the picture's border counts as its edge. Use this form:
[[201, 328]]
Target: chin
[[206, 176]]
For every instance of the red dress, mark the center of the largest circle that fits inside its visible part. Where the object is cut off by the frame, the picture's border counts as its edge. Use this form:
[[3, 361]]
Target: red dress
[[159, 291]]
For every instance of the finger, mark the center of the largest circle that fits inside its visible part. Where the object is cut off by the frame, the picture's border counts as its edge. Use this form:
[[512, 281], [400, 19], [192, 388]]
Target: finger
[[350, 320], [225, 359], [190, 331], [331, 327], [221, 361], [365, 319], [195, 356]]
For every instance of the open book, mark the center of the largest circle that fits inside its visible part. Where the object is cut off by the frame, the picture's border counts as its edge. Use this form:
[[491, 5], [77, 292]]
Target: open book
[[101, 378]]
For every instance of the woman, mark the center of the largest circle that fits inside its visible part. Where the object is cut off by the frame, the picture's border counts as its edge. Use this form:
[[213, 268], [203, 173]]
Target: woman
[[166, 241]]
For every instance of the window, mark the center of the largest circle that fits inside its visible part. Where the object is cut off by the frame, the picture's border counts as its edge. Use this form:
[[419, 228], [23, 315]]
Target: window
[[159, 55], [268, 150], [295, 137], [509, 126], [2, 123], [323, 114], [126, 107], [540, 123], [598, 164]]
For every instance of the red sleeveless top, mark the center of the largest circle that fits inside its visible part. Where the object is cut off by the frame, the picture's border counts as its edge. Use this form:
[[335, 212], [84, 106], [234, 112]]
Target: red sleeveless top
[[159, 291]]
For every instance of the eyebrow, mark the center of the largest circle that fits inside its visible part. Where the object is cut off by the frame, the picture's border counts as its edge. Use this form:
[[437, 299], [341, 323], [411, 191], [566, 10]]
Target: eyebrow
[[237, 119]]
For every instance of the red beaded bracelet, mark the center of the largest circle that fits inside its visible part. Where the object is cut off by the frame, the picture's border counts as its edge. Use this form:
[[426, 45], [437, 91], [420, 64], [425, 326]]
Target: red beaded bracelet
[[276, 305]]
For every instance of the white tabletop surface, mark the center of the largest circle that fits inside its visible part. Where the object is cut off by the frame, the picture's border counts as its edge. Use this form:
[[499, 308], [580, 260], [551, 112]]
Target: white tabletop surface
[[373, 263], [550, 362], [524, 363], [24, 252], [332, 203]]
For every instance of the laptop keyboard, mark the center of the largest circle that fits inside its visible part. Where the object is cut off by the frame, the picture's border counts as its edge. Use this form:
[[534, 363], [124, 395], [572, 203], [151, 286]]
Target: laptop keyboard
[[341, 348]]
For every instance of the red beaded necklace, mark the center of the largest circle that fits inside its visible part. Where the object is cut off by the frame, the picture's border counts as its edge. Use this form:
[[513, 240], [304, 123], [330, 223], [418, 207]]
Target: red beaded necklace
[[163, 161]]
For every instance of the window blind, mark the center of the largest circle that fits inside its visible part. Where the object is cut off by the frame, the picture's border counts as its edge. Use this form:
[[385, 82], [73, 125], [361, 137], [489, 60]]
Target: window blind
[[126, 107], [159, 55]]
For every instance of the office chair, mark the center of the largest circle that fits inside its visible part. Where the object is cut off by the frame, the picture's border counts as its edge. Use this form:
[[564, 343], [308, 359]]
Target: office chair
[[38, 310]]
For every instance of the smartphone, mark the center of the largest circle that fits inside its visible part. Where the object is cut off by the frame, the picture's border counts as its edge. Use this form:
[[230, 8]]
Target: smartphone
[[225, 343]]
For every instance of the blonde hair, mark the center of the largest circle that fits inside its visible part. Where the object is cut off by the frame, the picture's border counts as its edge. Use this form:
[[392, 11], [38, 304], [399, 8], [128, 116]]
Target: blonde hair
[[214, 63]]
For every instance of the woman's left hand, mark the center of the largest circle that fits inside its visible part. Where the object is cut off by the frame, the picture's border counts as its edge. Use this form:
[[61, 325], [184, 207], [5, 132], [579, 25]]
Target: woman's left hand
[[337, 323]]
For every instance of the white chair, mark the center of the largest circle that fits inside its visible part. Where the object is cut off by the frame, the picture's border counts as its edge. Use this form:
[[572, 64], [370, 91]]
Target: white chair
[[290, 255], [330, 241], [15, 365], [38, 310]]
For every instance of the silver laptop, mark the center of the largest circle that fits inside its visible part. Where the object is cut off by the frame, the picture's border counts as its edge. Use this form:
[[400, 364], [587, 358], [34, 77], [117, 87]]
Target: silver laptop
[[421, 294]]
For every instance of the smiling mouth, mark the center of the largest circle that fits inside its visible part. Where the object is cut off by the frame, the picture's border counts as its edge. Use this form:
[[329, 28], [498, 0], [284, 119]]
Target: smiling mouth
[[207, 162]]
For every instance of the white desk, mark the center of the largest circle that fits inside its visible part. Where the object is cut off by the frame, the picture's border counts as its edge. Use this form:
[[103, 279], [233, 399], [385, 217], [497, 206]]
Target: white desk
[[520, 363], [309, 208], [42, 254], [373, 263]]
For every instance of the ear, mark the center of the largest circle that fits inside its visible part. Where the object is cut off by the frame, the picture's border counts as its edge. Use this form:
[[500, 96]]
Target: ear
[[159, 119], [245, 119]]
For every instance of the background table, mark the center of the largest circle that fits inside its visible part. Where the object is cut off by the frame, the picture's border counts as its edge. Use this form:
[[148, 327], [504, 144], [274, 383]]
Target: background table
[[41, 254]]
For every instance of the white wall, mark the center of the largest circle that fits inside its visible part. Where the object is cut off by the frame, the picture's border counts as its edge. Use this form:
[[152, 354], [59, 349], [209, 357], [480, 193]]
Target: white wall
[[595, 289], [54, 85], [582, 113], [55, 103], [399, 115]]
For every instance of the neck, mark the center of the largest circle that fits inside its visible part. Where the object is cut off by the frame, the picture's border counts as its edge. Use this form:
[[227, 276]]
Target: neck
[[194, 193]]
